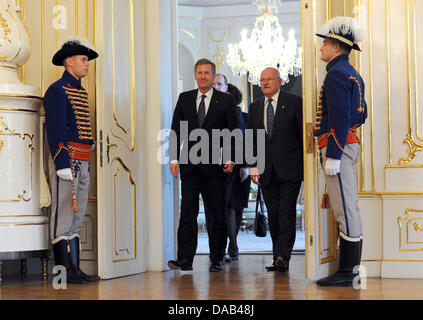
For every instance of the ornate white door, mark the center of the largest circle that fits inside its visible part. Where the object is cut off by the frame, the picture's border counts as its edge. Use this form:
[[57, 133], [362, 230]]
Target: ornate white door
[[121, 94], [321, 228]]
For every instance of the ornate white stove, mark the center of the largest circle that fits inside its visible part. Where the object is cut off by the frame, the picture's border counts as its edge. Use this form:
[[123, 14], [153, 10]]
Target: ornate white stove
[[23, 185]]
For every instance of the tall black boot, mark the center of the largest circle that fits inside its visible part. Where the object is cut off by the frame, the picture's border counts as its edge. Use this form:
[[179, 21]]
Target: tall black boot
[[349, 257], [74, 258], [61, 258]]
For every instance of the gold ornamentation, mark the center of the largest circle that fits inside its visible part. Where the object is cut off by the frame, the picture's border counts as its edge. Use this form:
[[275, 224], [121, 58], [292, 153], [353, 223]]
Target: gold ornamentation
[[85, 234], [413, 148], [6, 29], [417, 227], [117, 251], [131, 148], [79, 100], [221, 40], [3, 127], [45, 268], [404, 223], [6, 131], [27, 33], [219, 59], [19, 34], [26, 96], [22, 224]]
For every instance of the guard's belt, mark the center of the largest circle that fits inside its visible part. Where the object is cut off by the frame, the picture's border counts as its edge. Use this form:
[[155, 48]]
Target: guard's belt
[[351, 138], [79, 151]]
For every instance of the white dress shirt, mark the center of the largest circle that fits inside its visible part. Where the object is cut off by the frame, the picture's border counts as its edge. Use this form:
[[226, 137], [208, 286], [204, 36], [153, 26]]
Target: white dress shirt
[[207, 99], [274, 104], [254, 171]]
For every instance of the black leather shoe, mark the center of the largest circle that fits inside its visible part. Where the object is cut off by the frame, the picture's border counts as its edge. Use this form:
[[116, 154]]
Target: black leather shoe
[[349, 258], [281, 264], [73, 277], [61, 257], [215, 266], [85, 276], [339, 279], [181, 264], [75, 261], [234, 259], [273, 267]]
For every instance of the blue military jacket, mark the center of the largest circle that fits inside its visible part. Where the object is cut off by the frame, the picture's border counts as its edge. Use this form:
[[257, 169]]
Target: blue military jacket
[[341, 105], [67, 118]]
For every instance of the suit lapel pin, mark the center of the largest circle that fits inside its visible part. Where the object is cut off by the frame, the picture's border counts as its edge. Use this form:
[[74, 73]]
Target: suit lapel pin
[[283, 107]]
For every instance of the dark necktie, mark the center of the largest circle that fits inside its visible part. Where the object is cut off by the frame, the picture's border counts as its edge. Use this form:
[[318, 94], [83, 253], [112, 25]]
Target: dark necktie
[[270, 117], [202, 111]]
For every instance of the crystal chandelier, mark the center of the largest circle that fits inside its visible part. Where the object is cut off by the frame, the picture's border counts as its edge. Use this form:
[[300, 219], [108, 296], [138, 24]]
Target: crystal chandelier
[[267, 47]]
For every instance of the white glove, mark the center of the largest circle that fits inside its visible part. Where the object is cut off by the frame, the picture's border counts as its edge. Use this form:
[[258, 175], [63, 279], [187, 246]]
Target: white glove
[[244, 173], [332, 166], [65, 174]]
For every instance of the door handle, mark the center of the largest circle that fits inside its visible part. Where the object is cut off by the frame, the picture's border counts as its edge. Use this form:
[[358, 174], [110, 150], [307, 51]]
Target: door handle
[[109, 146], [101, 148]]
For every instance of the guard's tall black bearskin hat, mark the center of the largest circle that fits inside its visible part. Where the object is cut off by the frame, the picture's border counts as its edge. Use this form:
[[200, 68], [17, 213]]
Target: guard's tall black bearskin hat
[[343, 29], [72, 47]]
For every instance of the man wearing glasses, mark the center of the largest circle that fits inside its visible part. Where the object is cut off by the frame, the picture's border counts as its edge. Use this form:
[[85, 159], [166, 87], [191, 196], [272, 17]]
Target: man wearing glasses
[[280, 114]]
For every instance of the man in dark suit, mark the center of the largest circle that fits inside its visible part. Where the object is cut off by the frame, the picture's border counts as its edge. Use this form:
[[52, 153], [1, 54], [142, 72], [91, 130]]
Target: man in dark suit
[[238, 182], [206, 109], [280, 114]]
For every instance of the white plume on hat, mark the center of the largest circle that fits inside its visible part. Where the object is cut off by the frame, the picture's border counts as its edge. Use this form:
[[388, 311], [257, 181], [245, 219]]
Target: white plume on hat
[[77, 40], [343, 25]]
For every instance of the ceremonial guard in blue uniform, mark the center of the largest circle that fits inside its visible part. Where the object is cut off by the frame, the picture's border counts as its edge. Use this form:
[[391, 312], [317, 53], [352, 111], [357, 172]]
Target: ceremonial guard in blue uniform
[[71, 142], [341, 110]]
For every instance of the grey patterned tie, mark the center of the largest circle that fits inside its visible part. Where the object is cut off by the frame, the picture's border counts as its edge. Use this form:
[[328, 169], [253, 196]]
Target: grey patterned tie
[[270, 117], [202, 111]]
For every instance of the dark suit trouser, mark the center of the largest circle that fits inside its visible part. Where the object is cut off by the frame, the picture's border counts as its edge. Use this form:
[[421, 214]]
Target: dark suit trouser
[[213, 193], [233, 224], [280, 197]]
